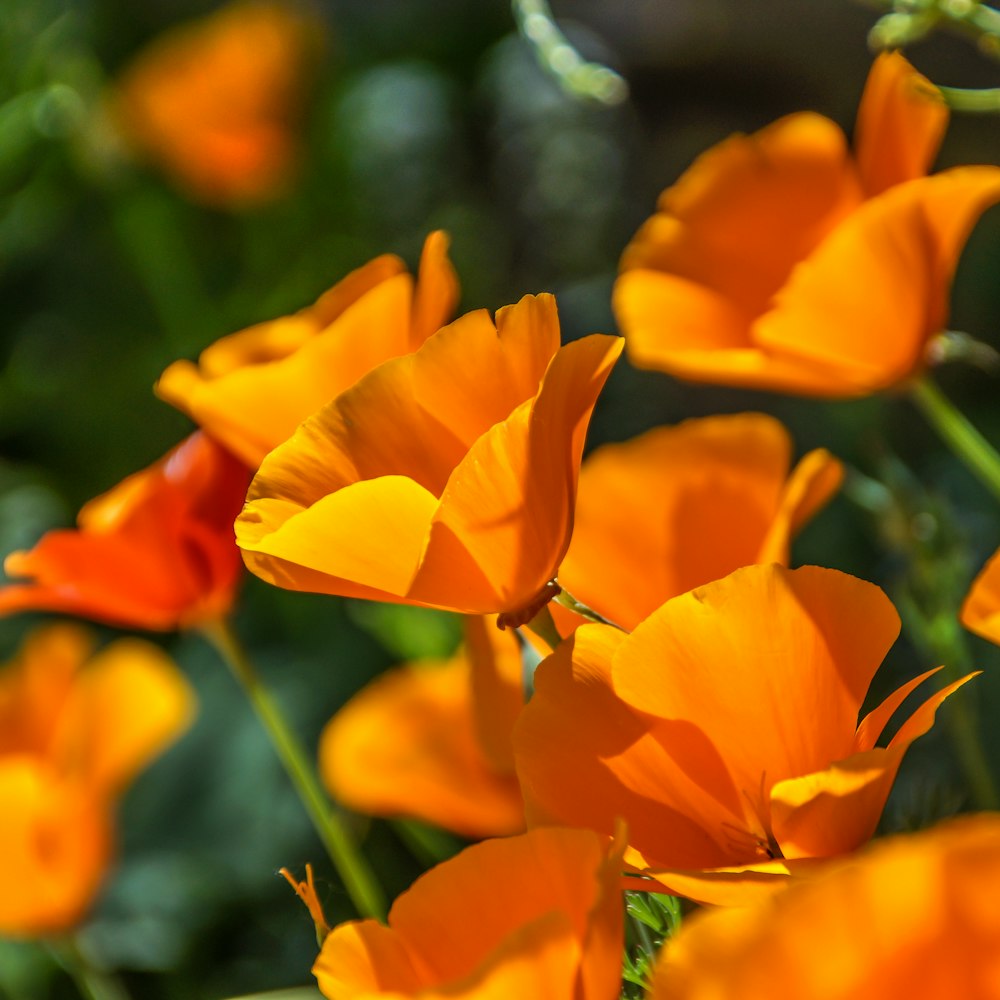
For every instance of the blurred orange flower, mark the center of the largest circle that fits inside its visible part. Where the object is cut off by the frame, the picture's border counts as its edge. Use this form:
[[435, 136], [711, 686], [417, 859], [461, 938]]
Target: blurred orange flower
[[779, 262], [981, 610], [214, 102], [681, 506], [432, 739], [724, 730], [914, 916], [73, 734], [155, 552], [250, 390], [445, 478], [548, 923]]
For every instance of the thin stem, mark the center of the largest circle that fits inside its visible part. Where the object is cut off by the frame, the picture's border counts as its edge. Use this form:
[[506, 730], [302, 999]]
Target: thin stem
[[545, 628], [980, 99], [93, 983], [579, 78], [963, 439], [358, 878]]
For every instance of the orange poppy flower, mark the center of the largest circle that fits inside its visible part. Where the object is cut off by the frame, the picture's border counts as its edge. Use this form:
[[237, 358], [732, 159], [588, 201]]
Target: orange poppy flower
[[73, 734], [214, 102], [432, 739], [779, 262], [981, 610], [444, 478], [549, 924], [724, 729], [681, 506], [914, 916], [250, 390], [155, 552]]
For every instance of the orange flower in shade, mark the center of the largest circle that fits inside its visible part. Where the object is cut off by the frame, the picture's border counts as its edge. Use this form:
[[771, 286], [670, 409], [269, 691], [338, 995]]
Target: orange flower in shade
[[981, 610], [914, 916], [432, 739], [681, 506], [214, 102], [73, 734], [250, 390], [548, 924], [445, 478], [724, 730], [780, 262], [155, 552]]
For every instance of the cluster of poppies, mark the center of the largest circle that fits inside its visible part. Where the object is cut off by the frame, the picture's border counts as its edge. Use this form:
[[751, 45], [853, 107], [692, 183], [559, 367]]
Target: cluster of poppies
[[647, 698]]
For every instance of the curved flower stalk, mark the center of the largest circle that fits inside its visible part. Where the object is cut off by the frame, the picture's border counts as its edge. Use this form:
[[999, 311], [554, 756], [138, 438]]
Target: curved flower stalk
[[250, 390], [76, 727], [432, 740], [681, 506], [214, 103], [913, 916], [778, 261], [445, 478], [154, 552], [551, 927], [724, 730]]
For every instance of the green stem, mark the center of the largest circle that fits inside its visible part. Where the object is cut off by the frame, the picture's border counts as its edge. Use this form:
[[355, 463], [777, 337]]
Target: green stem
[[93, 983], [358, 878], [963, 439], [577, 77], [981, 99], [567, 600], [545, 628]]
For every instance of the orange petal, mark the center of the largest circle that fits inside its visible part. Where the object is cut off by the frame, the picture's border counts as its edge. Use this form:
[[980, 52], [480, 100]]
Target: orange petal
[[523, 877], [809, 488], [747, 210], [497, 688], [671, 510], [871, 726], [436, 294], [835, 810], [406, 745], [923, 718], [364, 958], [901, 121], [129, 704], [738, 886], [505, 516], [875, 291], [981, 609], [56, 844], [763, 663], [584, 758]]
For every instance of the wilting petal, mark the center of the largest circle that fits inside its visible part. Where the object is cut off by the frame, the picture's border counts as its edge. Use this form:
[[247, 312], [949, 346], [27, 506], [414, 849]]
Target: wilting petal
[[407, 745], [875, 291], [807, 664], [155, 552], [901, 121], [56, 844], [553, 927], [981, 609]]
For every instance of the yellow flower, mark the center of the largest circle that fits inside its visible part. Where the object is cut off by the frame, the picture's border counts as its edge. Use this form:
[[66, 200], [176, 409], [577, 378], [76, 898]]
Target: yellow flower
[[75, 729]]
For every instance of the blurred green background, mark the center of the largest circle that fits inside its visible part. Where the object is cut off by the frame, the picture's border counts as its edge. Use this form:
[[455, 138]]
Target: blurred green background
[[421, 114]]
